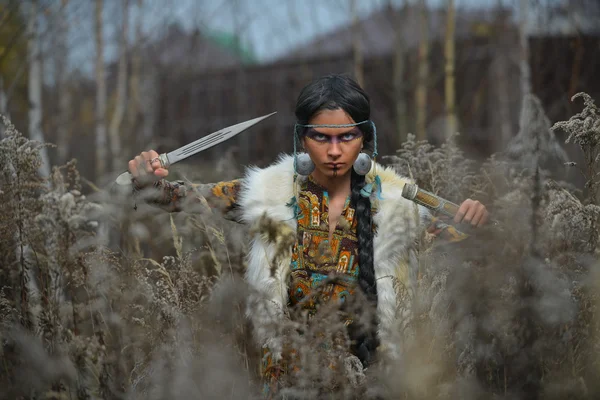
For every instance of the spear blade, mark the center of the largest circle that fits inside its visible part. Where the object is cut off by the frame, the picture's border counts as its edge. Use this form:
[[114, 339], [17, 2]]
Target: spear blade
[[211, 140], [206, 142]]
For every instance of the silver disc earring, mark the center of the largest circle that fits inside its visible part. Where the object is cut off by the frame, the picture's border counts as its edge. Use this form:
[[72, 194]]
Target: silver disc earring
[[362, 165], [304, 165]]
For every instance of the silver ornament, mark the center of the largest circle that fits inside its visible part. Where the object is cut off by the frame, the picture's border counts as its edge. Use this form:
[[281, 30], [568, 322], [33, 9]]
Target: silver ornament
[[304, 165], [362, 165]]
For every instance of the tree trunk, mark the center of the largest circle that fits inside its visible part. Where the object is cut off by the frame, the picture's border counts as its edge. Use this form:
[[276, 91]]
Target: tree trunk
[[249, 149], [101, 140], [117, 118], [357, 54], [524, 53], [64, 94], [133, 105], [3, 105], [449, 54], [398, 74], [422, 73], [3, 102], [500, 86], [149, 103], [148, 90], [35, 86]]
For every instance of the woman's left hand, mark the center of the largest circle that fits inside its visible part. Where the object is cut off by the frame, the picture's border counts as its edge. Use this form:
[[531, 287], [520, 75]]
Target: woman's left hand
[[472, 212]]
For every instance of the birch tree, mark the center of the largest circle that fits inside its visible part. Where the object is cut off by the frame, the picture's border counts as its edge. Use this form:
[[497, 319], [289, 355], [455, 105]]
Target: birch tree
[[524, 49], [422, 72], [117, 118], [62, 76], [35, 84], [499, 71], [398, 73], [3, 105], [101, 140], [242, 80], [449, 56], [357, 54], [133, 103], [3, 100]]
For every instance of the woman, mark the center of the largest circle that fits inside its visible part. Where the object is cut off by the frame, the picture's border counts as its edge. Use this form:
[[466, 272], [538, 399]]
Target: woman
[[348, 214]]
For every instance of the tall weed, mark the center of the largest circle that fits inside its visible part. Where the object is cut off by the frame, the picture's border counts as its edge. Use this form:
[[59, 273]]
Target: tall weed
[[100, 301]]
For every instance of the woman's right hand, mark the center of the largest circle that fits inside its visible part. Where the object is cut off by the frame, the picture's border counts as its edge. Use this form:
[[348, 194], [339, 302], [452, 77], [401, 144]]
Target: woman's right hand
[[146, 168]]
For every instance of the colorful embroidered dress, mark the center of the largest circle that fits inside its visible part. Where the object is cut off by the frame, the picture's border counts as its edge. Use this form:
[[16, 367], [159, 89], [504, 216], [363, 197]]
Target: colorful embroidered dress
[[315, 258]]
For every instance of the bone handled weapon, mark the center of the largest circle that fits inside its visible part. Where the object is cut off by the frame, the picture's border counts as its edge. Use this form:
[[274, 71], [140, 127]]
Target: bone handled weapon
[[429, 200], [433, 202]]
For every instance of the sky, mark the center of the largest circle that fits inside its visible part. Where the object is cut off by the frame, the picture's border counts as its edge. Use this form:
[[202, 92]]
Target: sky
[[269, 28], [272, 27]]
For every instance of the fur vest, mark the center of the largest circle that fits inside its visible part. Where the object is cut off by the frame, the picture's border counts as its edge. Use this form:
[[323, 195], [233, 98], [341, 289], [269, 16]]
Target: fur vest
[[266, 193]]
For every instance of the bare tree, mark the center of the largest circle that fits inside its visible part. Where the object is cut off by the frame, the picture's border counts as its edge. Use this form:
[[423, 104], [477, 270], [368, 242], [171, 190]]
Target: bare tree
[[35, 84], [3, 99], [422, 73], [398, 72], [3, 105], [524, 53], [62, 77], [117, 118], [500, 96], [101, 140], [133, 105], [449, 55], [242, 100], [357, 54], [144, 86]]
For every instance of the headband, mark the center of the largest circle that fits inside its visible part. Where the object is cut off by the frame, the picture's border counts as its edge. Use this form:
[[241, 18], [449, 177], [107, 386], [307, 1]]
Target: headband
[[367, 121]]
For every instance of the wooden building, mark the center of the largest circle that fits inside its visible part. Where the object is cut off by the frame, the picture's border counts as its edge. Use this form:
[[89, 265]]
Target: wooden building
[[487, 78]]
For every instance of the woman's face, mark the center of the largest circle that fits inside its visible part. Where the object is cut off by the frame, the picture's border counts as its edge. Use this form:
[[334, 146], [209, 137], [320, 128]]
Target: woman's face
[[333, 150]]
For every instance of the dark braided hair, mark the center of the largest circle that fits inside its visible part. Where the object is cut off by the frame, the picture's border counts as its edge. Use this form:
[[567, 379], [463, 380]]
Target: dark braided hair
[[366, 340], [333, 92]]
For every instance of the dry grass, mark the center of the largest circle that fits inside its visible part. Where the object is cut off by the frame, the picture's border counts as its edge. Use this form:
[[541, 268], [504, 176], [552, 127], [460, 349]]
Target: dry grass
[[99, 301]]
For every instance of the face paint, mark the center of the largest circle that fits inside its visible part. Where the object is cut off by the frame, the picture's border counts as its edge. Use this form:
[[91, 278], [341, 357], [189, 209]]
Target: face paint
[[332, 141], [322, 138]]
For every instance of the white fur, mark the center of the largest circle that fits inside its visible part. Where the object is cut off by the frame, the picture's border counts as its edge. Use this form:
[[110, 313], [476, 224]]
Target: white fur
[[397, 221]]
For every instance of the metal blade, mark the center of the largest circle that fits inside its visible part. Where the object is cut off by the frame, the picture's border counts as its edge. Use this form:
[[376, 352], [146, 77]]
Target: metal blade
[[213, 139]]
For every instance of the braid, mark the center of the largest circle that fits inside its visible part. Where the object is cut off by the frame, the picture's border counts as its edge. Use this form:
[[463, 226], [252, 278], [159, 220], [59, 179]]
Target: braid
[[365, 339], [364, 233]]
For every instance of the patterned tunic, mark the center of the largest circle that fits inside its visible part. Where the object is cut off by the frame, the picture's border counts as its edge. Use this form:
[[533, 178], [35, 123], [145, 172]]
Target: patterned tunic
[[315, 259]]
